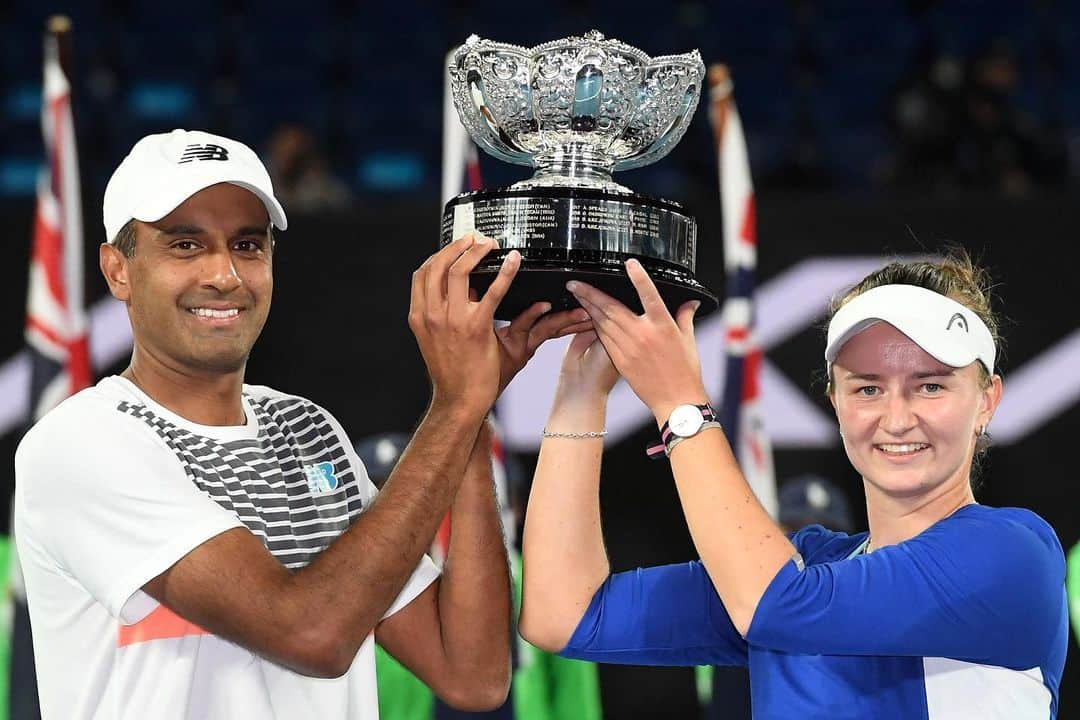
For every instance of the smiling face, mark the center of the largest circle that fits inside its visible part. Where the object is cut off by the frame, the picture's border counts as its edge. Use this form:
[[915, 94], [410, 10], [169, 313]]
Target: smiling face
[[199, 284], [909, 422]]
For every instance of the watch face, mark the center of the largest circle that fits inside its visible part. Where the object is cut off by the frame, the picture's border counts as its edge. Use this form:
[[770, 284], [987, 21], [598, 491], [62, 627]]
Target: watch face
[[685, 420]]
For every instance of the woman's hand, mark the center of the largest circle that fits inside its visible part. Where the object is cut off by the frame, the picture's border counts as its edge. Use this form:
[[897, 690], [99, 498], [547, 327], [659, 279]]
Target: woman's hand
[[654, 352], [519, 340], [587, 372]]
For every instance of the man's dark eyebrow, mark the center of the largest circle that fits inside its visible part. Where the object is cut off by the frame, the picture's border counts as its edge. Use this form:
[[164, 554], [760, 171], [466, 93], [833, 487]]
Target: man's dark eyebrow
[[863, 376], [181, 230], [253, 230]]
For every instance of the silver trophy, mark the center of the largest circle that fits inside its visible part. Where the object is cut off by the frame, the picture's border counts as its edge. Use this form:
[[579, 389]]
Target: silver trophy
[[577, 110]]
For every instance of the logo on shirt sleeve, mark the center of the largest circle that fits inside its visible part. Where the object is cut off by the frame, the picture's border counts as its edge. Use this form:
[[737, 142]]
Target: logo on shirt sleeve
[[321, 478]]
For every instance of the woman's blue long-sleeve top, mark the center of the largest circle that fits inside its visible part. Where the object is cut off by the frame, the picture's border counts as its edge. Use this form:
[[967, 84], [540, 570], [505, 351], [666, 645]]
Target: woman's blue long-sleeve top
[[967, 619]]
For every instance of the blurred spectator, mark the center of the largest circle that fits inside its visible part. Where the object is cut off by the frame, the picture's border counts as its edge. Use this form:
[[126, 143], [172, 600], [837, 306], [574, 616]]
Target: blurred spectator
[[812, 500], [959, 124], [299, 170], [925, 120]]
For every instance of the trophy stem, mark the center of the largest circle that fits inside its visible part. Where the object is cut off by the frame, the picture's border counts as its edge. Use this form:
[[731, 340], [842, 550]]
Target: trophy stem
[[577, 164]]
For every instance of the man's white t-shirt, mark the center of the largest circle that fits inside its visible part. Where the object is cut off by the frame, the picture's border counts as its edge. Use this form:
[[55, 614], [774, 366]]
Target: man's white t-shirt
[[112, 489]]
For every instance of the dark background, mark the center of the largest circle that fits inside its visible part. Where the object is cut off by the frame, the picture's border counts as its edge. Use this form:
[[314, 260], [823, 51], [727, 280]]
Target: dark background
[[873, 127]]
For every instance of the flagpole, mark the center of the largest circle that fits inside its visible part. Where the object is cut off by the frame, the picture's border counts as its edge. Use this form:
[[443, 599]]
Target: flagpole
[[58, 27]]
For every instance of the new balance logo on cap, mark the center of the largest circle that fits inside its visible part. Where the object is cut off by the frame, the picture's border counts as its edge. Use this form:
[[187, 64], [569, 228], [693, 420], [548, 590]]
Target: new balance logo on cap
[[152, 180], [959, 320], [203, 152]]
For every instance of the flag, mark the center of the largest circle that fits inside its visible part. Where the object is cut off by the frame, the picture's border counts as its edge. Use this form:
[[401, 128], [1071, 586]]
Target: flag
[[741, 407], [56, 326], [56, 323]]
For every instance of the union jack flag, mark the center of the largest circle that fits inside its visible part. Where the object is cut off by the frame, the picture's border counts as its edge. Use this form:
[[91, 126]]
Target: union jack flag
[[740, 408], [56, 325], [728, 689]]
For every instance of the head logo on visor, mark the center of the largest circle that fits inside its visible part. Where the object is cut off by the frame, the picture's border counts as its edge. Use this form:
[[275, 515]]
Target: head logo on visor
[[930, 319], [959, 320]]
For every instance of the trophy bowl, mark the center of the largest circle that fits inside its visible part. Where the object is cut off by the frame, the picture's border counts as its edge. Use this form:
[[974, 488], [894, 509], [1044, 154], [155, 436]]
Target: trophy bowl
[[576, 110]]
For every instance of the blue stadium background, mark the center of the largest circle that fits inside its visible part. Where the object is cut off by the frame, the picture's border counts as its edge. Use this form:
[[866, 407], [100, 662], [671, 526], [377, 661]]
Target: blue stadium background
[[833, 92]]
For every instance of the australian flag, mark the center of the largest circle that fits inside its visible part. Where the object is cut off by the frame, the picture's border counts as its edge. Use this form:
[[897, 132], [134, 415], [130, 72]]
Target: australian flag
[[56, 324], [740, 407]]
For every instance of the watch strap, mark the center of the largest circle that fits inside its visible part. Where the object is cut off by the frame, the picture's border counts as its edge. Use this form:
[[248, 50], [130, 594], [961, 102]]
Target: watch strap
[[669, 439], [675, 439]]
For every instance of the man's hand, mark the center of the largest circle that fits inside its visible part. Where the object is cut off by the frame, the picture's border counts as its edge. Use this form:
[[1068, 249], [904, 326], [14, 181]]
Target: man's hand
[[519, 340], [456, 333]]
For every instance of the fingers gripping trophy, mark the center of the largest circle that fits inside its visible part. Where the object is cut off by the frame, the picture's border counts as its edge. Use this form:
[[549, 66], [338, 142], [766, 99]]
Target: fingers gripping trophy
[[576, 110]]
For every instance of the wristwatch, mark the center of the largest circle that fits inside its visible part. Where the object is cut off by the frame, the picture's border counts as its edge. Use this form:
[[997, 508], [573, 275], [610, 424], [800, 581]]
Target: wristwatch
[[685, 421]]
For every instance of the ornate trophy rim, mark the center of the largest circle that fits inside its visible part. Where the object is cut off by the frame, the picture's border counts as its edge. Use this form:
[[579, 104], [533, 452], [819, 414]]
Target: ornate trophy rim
[[588, 156], [474, 42]]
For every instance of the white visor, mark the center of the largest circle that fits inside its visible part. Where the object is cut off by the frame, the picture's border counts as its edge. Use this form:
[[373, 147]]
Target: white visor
[[944, 328]]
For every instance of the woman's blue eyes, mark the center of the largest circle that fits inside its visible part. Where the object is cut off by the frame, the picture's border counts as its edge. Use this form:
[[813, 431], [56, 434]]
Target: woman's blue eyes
[[874, 390]]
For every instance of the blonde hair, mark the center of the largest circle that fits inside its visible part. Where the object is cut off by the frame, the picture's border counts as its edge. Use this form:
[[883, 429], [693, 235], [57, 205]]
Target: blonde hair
[[954, 275]]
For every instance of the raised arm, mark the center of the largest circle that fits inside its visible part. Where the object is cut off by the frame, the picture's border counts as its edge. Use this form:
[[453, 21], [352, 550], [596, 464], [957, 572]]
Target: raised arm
[[456, 635], [563, 555], [315, 619], [740, 545], [667, 615]]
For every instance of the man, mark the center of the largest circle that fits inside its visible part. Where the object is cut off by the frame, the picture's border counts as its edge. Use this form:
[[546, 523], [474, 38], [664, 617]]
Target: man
[[195, 547]]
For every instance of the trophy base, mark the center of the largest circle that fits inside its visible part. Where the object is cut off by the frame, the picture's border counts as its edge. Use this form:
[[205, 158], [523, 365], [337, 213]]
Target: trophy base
[[568, 233], [543, 278]]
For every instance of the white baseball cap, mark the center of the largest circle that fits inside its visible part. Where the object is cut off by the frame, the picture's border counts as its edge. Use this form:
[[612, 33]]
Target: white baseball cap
[[945, 329], [164, 170]]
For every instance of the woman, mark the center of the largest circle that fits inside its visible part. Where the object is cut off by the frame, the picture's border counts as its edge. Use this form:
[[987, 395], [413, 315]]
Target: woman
[[945, 609]]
